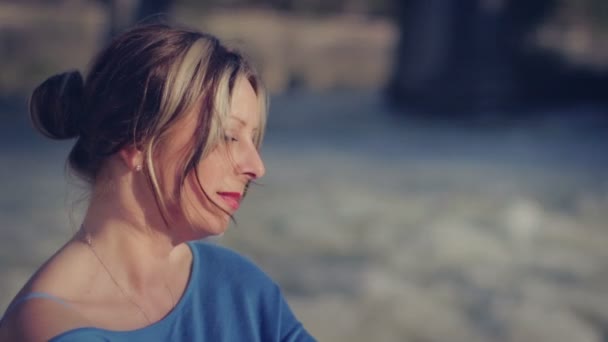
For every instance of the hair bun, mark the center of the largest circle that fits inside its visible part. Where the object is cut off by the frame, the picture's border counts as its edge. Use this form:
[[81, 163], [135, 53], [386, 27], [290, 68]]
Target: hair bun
[[56, 105]]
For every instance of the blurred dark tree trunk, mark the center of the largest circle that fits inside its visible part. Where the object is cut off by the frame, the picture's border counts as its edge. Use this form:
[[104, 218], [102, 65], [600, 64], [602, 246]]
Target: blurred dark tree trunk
[[124, 13], [150, 9], [422, 48], [461, 56]]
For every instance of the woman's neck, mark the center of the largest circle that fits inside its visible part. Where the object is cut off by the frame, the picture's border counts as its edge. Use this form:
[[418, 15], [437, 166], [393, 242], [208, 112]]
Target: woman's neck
[[135, 245]]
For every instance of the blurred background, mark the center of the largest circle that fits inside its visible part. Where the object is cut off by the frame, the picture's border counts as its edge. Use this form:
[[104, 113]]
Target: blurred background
[[437, 169]]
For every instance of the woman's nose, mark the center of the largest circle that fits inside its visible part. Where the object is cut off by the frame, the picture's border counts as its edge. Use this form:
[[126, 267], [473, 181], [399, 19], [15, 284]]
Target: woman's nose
[[252, 165]]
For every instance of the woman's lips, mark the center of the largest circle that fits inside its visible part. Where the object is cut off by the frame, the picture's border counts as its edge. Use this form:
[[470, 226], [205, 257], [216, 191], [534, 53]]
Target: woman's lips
[[233, 199]]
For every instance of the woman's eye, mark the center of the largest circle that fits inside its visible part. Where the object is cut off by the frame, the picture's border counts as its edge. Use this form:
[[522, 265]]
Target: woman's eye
[[230, 138]]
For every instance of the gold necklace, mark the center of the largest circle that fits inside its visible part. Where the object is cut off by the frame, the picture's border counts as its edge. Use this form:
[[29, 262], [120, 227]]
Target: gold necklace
[[89, 242]]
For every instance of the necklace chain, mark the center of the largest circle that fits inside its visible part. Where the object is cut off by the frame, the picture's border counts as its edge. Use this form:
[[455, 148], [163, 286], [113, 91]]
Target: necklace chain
[[89, 242]]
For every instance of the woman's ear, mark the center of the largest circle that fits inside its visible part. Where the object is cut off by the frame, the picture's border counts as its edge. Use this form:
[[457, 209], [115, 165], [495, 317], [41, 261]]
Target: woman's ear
[[132, 158]]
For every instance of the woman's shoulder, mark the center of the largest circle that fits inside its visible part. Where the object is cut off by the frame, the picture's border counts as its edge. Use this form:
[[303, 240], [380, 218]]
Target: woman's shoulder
[[43, 308], [38, 316]]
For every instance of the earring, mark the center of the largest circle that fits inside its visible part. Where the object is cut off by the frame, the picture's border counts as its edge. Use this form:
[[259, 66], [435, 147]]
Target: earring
[[137, 168]]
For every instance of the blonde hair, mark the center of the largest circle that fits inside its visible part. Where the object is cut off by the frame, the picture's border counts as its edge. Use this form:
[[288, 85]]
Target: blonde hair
[[137, 88]]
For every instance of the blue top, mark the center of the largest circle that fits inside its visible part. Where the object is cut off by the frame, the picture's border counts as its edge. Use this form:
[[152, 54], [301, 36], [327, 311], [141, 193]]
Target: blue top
[[227, 298]]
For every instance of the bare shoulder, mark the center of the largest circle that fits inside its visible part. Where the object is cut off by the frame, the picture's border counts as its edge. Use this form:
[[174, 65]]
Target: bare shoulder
[[39, 319], [61, 279], [67, 274]]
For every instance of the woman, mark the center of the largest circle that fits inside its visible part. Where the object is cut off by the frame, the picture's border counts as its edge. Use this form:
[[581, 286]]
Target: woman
[[168, 126]]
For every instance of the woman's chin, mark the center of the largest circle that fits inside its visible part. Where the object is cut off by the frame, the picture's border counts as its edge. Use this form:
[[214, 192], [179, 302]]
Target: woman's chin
[[216, 229], [219, 231]]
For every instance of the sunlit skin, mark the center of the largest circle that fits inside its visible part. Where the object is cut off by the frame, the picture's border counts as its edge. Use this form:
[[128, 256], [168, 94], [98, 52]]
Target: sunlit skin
[[224, 173], [148, 259]]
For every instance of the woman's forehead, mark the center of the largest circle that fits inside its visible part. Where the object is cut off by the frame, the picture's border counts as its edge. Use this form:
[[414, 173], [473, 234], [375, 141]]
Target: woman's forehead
[[245, 107]]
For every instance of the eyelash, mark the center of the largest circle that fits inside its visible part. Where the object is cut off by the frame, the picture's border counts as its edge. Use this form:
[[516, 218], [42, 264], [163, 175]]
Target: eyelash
[[230, 139]]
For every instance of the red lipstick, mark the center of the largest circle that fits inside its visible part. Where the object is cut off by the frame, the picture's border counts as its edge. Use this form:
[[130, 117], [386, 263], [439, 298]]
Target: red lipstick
[[233, 199]]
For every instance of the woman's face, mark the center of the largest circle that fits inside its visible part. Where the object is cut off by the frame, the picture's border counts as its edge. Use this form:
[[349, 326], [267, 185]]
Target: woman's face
[[224, 173]]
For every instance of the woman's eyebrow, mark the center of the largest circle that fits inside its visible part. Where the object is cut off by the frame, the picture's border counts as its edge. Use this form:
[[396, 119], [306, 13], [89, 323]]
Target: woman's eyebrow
[[241, 121]]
